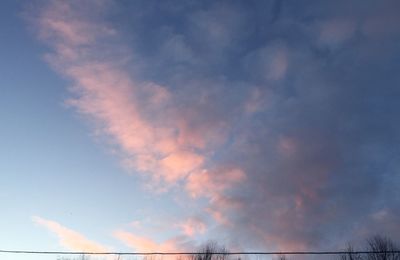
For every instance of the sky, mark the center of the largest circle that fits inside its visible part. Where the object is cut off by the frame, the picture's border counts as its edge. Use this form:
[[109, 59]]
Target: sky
[[160, 125]]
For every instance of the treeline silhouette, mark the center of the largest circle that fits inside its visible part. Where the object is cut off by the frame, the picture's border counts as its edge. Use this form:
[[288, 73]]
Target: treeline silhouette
[[376, 248], [382, 248]]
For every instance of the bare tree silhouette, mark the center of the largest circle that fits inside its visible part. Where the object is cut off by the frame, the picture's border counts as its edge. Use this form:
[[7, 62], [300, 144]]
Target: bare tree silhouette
[[211, 251], [383, 248], [350, 255], [282, 257]]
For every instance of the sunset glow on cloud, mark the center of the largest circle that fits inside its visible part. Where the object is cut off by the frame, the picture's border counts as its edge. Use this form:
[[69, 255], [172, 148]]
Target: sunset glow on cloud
[[266, 125], [163, 128], [70, 239]]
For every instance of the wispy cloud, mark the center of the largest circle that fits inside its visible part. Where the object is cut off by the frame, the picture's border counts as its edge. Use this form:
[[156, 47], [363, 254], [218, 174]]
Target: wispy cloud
[[69, 238], [146, 244], [157, 131], [87, 51]]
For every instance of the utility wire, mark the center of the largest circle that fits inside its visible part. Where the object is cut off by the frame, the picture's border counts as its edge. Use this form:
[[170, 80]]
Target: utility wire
[[201, 253]]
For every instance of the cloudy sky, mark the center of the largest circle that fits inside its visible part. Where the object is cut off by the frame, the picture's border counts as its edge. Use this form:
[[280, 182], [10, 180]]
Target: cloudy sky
[[158, 125]]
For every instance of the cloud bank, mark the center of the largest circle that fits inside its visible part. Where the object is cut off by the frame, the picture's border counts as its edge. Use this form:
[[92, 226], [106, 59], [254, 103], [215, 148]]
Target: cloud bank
[[282, 115]]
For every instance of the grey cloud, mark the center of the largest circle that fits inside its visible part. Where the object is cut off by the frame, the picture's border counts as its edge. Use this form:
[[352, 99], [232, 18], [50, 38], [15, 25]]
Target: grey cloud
[[320, 156]]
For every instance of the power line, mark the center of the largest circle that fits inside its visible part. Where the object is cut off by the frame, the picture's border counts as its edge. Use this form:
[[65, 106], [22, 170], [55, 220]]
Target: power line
[[201, 253]]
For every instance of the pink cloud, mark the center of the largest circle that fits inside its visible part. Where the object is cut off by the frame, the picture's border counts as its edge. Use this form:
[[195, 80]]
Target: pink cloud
[[178, 164], [193, 226], [166, 142], [69, 238], [120, 108], [219, 216], [153, 133], [145, 244], [212, 183]]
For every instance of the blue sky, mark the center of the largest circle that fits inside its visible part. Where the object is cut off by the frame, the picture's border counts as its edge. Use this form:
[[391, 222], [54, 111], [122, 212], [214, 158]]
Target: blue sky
[[158, 125]]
